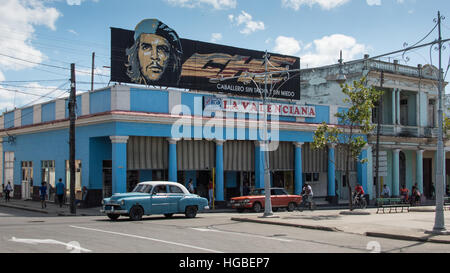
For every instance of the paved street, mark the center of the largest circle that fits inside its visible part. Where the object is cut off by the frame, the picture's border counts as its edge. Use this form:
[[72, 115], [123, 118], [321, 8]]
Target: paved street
[[26, 231]]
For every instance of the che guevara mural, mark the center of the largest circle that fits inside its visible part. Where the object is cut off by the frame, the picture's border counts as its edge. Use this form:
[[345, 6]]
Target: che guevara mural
[[154, 55]]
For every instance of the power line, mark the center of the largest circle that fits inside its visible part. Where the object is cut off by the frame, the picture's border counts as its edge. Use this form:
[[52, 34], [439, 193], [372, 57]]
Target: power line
[[49, 65]]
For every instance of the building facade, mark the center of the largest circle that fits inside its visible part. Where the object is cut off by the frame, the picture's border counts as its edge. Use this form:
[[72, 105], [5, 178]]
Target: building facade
[[127, 134], [409, 120]]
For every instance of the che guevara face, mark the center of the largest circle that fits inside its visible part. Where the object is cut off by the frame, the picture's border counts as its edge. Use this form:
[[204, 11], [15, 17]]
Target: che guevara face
[[154, 53]]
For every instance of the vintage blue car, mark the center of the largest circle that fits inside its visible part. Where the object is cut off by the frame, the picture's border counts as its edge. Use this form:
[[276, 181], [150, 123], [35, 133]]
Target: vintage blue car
[[156, 197]]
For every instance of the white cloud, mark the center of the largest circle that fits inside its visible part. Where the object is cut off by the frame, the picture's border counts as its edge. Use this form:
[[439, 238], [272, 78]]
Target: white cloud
[[76, 2], [73, 32], [215, 37], [15, 97], [326, 50], [216, 4], [286, 45], [325, 4], [18, 18], [246, 19], [17, 21], [373, 2]]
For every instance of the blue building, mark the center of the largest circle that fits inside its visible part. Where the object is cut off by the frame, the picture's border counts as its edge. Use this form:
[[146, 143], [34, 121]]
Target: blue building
[[127, 134]]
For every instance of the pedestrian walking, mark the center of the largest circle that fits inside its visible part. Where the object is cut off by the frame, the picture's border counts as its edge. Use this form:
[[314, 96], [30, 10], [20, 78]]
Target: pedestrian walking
[[191, 186], [210, 192], [8, 189], [60, 192], [43, 194]]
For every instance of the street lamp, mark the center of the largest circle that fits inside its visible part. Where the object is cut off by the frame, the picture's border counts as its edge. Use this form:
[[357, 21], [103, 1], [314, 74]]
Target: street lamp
[[341, 78], [250, 77]]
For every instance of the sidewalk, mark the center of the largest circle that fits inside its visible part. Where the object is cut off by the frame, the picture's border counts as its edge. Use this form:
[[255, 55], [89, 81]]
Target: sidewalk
[[412, 225], [52, 209]]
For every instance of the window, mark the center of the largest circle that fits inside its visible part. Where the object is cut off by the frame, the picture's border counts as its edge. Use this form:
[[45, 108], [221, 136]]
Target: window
[[160, 189], [142, 188], [278, 192], [311, 177], [175, 189], [9, 168], [48, 172]]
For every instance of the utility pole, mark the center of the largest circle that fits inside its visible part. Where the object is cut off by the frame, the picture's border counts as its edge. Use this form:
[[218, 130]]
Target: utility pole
[[92, 73], [72, 101], [380, 104], [268, 202], [439, 225]]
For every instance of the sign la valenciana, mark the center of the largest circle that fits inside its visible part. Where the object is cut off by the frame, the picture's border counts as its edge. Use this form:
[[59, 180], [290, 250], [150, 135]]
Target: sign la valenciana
[[256, 107]]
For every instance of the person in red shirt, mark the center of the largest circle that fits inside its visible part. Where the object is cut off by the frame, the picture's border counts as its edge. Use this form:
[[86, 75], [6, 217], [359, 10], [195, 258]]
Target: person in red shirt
[[404, 193], [359, 190]]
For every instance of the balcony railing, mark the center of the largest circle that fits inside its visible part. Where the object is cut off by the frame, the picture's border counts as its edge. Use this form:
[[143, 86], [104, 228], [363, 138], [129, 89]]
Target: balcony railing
[[406, 131]]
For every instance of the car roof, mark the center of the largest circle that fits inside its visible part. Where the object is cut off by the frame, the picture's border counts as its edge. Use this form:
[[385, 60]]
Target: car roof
[[270, 188], [160, 182]]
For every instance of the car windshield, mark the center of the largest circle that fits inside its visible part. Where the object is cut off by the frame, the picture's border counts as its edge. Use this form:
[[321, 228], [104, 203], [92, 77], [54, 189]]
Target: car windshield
[[142, 188]]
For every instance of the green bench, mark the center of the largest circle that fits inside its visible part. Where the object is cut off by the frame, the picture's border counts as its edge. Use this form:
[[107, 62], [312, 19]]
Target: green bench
[[391, 203]]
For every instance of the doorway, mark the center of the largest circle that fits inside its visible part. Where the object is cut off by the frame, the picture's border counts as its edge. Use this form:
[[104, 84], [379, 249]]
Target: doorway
[[427, 176], [27, 179], [202, 183], [107, 178]]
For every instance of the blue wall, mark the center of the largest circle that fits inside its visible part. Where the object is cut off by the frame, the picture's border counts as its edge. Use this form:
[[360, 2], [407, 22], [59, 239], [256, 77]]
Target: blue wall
[[27, 116], [48, 112], [99, 101], [9, 120], [149, 101]]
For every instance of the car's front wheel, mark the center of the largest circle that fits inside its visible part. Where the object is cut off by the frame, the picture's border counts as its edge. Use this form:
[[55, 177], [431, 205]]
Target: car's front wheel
[[136, 213], [113, 216], [191, 211]]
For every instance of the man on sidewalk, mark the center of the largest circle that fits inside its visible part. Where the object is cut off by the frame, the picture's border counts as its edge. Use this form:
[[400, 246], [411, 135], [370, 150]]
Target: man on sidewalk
[[8, 189], [43, 194], [60, 192]]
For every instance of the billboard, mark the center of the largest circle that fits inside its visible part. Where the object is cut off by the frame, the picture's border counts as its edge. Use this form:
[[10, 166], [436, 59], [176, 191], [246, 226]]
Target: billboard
[[153, 54]]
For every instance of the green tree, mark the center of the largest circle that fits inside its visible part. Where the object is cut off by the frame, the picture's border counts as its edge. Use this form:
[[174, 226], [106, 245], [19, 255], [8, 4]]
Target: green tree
[[355, 121]]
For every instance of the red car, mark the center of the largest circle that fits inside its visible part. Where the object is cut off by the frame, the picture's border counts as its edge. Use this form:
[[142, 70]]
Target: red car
[[256, 200]]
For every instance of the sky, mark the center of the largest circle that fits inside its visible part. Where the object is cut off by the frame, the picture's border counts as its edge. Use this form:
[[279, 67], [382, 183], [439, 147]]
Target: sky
[[40, 39]]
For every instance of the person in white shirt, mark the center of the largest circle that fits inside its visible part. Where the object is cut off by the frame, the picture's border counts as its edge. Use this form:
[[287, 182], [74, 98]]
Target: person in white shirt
[[386, 191]]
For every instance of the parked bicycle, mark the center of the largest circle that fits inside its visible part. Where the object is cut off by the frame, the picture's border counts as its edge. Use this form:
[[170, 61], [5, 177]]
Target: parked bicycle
[[307, 202]]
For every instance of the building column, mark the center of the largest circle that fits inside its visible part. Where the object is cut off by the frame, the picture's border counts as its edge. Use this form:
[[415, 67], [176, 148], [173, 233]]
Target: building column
[[173, 159], [362, 169], [394, 111], [119, 163], [259, 165], [398, 107], [396, 173], [331, 170], [419, 170], [298, 182], [219, 189]]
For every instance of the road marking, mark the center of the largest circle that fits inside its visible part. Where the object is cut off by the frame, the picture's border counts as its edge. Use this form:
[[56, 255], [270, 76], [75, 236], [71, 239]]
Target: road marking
[[241, 234], [148, 238], [74, 246]]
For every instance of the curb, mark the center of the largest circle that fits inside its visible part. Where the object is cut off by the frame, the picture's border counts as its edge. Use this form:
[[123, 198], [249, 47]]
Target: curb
[[286, 224], [24, 208], [406, 237]]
